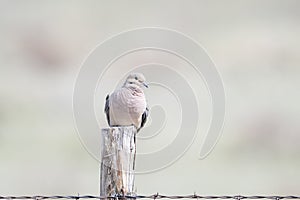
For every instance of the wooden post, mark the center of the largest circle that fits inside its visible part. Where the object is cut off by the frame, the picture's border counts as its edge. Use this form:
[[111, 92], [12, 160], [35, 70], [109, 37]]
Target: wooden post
[[117, 161]]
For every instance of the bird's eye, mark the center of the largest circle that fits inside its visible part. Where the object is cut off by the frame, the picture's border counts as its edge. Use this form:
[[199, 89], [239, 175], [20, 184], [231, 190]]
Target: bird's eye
[[130, 82], [136, 78]]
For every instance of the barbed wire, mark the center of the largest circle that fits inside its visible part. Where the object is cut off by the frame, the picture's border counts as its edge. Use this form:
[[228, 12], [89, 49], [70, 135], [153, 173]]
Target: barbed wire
[[154, 196]]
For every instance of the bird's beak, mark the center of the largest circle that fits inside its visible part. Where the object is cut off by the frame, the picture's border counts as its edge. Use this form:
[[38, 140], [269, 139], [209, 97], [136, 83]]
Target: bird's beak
[[145, 84]]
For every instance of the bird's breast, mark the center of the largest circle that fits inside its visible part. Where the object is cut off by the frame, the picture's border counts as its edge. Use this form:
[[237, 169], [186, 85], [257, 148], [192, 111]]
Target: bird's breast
[[127, 107]]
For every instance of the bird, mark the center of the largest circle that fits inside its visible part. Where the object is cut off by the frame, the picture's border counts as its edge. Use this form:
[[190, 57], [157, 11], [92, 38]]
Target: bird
[[127, 105]]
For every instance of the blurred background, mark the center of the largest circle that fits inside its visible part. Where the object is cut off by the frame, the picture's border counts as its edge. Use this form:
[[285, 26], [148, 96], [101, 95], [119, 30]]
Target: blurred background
[[255, 45]]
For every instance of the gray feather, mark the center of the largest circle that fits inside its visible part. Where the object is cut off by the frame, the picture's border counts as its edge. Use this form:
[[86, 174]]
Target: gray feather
[[144, 118], [106, 109]]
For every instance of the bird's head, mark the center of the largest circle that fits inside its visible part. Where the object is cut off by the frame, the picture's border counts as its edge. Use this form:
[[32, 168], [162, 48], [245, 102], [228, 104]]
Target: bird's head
[[135, 80]]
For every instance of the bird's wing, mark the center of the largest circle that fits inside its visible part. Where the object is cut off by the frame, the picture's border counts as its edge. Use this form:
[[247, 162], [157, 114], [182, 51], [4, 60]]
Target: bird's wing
[[106, 109], [144, 118]]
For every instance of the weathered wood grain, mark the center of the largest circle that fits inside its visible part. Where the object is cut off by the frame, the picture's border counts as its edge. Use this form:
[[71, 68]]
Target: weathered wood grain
[[118, 149]]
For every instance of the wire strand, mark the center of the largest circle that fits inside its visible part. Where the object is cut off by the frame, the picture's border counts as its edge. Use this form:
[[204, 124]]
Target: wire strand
[[154, 196]]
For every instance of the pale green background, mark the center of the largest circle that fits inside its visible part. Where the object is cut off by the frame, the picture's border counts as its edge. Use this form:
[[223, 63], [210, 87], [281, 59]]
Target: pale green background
[[255, 45]]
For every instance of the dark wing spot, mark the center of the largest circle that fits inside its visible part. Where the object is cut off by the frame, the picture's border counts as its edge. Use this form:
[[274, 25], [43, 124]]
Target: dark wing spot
[[106, 109], [144, 118]]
